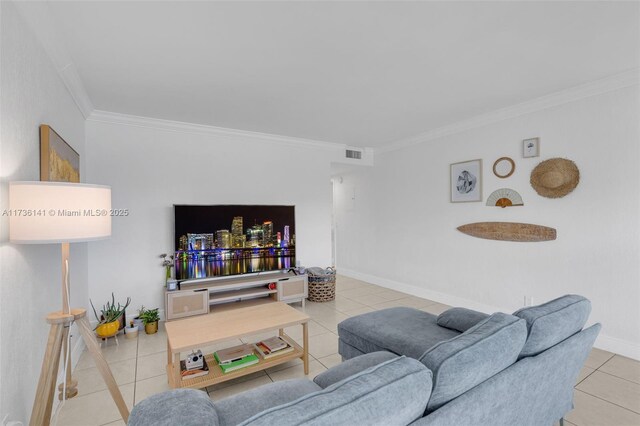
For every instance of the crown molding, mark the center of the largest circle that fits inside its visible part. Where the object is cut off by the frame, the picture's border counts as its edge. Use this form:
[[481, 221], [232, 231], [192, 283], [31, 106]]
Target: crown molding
[[203, 129], [38, 17], [609, 84]]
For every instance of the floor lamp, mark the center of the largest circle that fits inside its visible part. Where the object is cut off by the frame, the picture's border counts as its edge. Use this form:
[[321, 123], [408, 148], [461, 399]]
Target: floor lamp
[[60, 212]]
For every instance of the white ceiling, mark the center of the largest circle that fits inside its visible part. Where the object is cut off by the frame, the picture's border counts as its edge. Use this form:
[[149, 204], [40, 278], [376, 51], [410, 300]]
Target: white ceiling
[[360, 73]]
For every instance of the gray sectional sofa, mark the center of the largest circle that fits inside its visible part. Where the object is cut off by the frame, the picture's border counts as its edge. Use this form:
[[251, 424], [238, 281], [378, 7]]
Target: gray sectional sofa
[[404, 366]]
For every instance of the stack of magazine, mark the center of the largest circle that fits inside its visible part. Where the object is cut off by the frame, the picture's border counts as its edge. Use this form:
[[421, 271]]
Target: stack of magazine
[[274, 346], [235, 358]]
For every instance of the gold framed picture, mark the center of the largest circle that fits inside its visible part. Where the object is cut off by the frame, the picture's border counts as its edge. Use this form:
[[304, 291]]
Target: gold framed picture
[[58, 161]]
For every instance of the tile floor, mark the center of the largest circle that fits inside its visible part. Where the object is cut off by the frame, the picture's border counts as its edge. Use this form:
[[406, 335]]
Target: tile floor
[[607, 392]]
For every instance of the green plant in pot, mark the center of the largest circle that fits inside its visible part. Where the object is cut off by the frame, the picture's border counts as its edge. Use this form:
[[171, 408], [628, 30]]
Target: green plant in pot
[[150, 318], [111, 317], [137, 321]]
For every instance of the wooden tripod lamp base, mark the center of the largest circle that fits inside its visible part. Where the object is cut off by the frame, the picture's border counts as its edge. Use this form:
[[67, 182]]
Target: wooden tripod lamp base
[[60, 323]]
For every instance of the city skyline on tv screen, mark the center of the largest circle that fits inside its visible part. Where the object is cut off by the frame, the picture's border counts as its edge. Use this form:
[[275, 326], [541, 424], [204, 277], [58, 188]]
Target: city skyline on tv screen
[[219, 240]]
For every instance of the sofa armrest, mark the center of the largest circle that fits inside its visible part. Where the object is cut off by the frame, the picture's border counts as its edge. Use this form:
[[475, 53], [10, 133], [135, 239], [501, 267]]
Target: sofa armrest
[[460, 319], [184, 407], [351, 367]]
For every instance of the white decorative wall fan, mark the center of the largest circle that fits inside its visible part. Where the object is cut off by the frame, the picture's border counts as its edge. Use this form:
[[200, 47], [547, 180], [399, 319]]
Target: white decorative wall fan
[[504, 197]]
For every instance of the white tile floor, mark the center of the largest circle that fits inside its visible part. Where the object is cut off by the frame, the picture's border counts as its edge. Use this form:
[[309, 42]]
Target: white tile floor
[[607, 392]]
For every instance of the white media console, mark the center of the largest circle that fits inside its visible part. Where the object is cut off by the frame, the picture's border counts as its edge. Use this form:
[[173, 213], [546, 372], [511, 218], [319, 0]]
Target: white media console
[[201, 296]]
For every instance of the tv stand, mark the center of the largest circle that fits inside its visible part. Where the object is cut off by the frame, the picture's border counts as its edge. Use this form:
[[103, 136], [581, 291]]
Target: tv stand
[[202, 296]]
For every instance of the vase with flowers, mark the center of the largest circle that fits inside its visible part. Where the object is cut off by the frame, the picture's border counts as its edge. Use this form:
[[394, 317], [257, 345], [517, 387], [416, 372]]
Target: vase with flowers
[[167, 262]]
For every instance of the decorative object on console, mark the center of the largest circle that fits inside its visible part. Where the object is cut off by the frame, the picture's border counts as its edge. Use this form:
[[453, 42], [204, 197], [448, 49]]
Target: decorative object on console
[[504, 197], [531, 148], [466, 181], [58, 161], [53, 200], [172, 284], [555, 178], [168, 264], [509, 231], [150, 318], [504, 167], [112, 318], [322, 284]]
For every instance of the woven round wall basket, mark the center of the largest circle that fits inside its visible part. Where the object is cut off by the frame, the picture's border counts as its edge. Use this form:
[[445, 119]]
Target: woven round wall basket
[[555, 178], [322, 287]]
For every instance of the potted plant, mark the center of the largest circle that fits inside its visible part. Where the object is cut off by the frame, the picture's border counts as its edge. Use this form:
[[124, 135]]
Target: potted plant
[[137, 321], [150, 318], [110, 317]]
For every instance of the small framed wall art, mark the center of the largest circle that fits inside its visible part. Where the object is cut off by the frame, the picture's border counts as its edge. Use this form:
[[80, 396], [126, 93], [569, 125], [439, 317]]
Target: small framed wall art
[[466, 181], [531, 148], [58, 161]]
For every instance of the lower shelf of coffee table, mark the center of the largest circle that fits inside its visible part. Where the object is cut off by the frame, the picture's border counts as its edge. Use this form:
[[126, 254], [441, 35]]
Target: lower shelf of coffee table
[[216, 375]]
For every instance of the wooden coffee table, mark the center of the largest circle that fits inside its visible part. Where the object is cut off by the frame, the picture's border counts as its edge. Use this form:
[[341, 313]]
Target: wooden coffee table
[[198, 332]]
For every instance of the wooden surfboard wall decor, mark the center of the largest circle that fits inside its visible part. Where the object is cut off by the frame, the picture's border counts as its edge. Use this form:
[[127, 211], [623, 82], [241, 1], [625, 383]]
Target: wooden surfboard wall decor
[[509, 231]]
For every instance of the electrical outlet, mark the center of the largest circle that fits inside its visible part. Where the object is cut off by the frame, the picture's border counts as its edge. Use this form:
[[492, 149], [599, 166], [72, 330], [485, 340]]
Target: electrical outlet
[[528, 301]]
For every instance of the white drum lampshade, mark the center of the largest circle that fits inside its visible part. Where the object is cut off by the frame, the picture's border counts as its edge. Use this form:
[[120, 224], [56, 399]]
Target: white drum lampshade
[[58, 212]]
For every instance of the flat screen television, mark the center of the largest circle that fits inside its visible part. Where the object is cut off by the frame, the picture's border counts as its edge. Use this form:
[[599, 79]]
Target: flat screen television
[[225, 240]]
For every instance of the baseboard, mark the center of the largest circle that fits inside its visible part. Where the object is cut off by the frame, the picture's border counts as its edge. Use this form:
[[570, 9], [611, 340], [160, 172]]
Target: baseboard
[[604, 342], [618, 346], [413, 290]]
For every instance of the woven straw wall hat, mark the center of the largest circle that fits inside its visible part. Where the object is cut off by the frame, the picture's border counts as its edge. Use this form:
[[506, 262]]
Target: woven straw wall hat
[[555, 178]]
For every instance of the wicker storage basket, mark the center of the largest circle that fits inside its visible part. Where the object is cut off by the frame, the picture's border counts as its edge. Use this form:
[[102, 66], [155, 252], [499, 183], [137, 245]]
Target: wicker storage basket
[[322, 287]]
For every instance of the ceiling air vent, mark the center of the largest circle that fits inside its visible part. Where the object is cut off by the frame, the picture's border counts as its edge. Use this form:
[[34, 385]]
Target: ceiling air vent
[[354, 154]]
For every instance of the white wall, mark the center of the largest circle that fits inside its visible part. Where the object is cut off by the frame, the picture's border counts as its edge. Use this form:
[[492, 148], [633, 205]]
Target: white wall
[[32, 93], [401, 229], [150, 169]]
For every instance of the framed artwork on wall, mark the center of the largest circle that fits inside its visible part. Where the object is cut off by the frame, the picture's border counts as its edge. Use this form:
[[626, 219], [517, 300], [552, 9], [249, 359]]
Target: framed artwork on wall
[[58, 161], [466, 181], [531, 148]]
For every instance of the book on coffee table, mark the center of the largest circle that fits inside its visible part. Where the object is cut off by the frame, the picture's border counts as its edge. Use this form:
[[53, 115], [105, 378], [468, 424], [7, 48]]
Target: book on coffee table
[[234, 353], [238, 364], [274, 344], [266, 353]]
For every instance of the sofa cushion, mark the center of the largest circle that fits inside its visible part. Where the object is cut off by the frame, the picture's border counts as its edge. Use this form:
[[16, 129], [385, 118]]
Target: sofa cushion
[[552, 322], [394, 392], [404, 331], [188, 407], [472, 357], [460, 319], [238, 408], [351, 367]]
